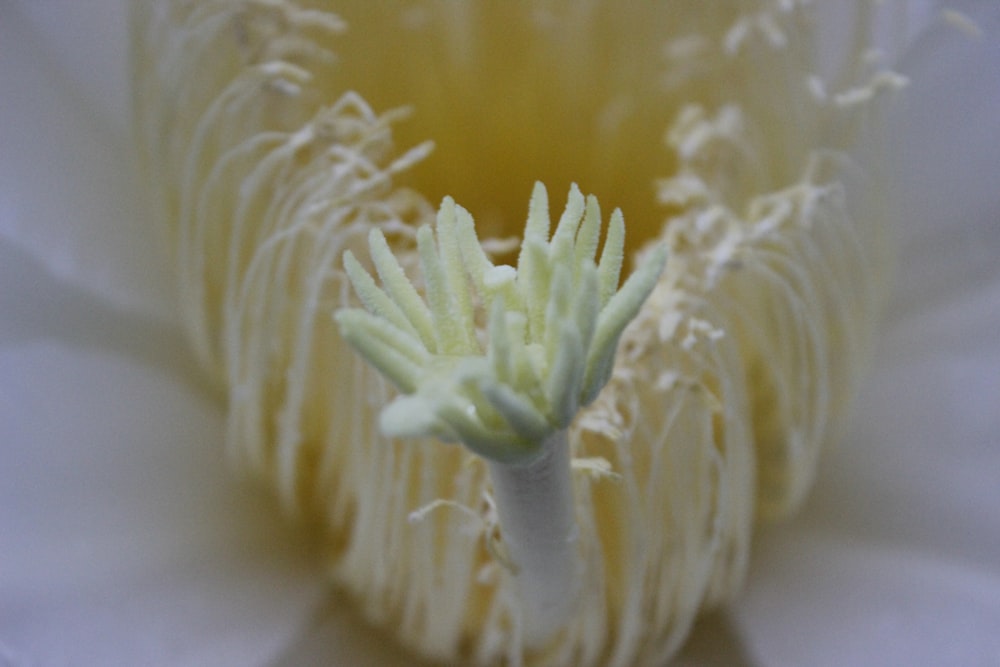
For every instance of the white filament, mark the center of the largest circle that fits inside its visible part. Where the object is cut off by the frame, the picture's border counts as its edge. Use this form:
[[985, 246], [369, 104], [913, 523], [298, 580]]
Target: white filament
[[727, 383]]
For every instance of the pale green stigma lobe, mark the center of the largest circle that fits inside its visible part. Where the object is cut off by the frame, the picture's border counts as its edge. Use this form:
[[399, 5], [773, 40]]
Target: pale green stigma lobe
[[551, 332]]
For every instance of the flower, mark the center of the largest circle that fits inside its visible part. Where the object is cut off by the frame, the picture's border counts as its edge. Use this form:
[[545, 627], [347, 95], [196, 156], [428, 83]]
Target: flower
[[158, 569]]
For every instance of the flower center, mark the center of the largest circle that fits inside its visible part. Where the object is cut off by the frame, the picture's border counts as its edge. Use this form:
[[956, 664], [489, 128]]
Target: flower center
[[511, 94]]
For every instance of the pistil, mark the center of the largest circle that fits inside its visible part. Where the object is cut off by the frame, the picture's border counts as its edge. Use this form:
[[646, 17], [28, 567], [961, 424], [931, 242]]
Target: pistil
[[510, 392]]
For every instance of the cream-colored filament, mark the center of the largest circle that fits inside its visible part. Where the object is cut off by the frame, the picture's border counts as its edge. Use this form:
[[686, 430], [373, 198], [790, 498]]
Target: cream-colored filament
[[277, 134]]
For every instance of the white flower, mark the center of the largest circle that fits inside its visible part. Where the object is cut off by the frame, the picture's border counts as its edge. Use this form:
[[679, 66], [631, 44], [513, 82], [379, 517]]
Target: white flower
[[124, 540]]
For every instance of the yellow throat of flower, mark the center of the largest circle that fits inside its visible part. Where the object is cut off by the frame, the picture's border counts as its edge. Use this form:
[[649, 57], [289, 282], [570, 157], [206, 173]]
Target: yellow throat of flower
[[271, 132]]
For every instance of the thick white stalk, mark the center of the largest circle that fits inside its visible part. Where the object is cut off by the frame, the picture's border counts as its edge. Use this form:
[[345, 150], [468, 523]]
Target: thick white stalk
[[550, 338], [537, 521]]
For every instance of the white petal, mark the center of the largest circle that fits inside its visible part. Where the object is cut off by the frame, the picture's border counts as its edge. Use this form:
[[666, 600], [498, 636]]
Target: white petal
[[68, 188], [947, 160], [86, 42], [894, 26], [126, 540], [896, 560], [827, 600]]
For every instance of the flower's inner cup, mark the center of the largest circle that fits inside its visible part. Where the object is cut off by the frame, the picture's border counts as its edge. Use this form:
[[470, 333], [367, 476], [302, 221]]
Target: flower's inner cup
[[273, 147], [511, 94]]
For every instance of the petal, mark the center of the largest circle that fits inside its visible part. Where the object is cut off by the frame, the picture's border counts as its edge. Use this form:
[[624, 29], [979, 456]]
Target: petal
[[823, 599], [896, 560], [946, 160], [86, 43], [125, 539], [68, 189]]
